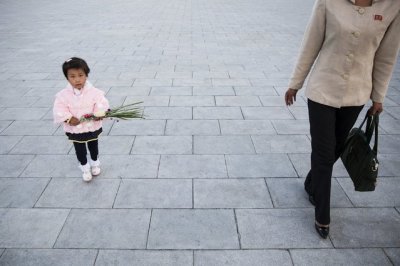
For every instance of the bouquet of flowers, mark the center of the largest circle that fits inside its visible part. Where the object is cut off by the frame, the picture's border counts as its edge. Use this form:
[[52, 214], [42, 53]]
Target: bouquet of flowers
[[123, 112]]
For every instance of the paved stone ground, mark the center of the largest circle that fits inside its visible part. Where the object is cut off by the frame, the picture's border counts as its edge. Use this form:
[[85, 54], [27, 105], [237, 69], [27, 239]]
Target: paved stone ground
[[213, 176]]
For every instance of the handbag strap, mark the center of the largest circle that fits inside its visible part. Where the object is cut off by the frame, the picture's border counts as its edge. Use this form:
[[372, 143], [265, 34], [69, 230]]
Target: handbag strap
[[376, 125]]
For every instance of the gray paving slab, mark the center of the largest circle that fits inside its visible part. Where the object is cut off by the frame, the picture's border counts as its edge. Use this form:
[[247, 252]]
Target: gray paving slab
[[281, 144], [114, 229], [12, 113], [365, 227], [168, 113], [257, 91], [154, 193], [8, 142], [394, 111], [13, 165], [30, 228], [339, 257], [192, 100], [124, 91], [242, 257], [223, 145], [138, 127], [42, 145], [278, 228], [223, 90], [75, 193], [244, 100], [394, 255], [191, 82], [144, 258], [193, 229], [32, 128], [231, 193], [17, 101], [265, 165], [192, 166], [51, 166], [4, 124], [290, 193], [158, 91], [217, 113], [21, 192], [279, 101], [389, 144], [129, 166], [192, 127], [266, 113], [292, 127], [162, 145], [48, 257], [148, 100], [118, 145], [246, 127], [386, 194]]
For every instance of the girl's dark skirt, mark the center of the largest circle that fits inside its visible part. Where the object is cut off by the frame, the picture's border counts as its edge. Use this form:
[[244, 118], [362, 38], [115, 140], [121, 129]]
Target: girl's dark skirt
[[84, 137]]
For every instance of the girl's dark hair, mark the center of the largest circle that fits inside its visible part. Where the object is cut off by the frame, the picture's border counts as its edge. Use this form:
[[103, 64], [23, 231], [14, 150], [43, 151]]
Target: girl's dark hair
[[75, 62]]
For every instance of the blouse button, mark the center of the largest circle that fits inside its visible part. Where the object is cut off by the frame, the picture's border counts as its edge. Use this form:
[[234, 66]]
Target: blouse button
[[361, 11], [356, 34]]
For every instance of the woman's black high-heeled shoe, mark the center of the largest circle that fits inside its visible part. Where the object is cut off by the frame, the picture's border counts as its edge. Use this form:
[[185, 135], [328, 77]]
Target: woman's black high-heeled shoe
[[322, 231]]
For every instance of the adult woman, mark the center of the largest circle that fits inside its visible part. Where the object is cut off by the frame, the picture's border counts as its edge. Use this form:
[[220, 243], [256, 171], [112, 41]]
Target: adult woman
[[354, 44]]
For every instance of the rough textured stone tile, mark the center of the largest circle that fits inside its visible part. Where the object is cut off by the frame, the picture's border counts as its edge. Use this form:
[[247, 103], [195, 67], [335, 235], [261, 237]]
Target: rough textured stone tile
[[21, 192], [275, 228], [242, 257], [267, 165], [42, 145], [266, 113], [30, 228], [262, 90], [290, 193], [13, 165], [386, 194], [237, 101], [192, 101], [138, 127], [192, 166], [48, 257], [223, 145], [339, 257], [23, 113], [246, 127], [193, 229], [148, 100], [192, 127], [162, 145], [124, 91], [394, 255], [217, 113], [8, 142], [114, 229], [144, 258], [231, 193], [168, 113], [35, 128], [282, 144], [224, 90], [75, 193], [158, 91], [291, 127], [154, 193], [365, 227]]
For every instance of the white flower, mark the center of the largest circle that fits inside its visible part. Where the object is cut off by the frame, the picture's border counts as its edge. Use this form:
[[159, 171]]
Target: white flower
[[100, 114]]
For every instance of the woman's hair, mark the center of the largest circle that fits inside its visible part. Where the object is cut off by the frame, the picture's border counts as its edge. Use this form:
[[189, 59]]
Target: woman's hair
[[75, 62]]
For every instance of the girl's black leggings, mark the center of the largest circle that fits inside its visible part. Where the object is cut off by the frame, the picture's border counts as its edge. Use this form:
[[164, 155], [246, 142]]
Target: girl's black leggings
[[80, 150]]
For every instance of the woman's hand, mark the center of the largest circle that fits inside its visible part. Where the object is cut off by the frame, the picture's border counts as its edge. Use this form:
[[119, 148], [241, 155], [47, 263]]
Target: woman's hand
[[376, 108], [290, 96], [74, 121]]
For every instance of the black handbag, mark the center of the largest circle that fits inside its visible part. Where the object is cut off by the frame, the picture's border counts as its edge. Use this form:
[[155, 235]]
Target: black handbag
[[359, 159]]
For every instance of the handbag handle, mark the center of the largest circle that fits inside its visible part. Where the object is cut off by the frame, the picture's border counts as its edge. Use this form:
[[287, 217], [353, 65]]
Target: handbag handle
[[371, 126]]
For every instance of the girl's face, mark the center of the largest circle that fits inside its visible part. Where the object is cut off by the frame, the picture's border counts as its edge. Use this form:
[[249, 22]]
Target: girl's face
[[76, 77]]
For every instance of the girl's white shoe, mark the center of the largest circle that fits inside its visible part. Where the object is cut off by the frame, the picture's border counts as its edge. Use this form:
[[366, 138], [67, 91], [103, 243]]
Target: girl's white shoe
[[86, 174], [95, 167]]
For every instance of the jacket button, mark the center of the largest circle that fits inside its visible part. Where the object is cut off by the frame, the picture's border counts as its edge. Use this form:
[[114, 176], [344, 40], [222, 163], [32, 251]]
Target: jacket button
[[361, 11], [345, 76], [356, 34]]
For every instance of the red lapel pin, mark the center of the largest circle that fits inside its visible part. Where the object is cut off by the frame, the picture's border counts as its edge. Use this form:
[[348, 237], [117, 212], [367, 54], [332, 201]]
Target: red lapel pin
[[378, 17]]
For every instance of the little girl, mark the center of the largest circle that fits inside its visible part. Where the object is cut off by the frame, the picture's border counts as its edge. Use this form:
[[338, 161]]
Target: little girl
[[77, 99]]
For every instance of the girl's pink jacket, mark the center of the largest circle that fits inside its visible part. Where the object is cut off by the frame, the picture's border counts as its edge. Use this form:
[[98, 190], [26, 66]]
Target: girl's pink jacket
[[67, 105]]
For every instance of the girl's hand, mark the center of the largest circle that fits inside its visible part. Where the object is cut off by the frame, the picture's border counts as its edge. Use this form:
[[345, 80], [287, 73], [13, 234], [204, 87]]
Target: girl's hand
[[376, 108], [74, 121], [290, 96]]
